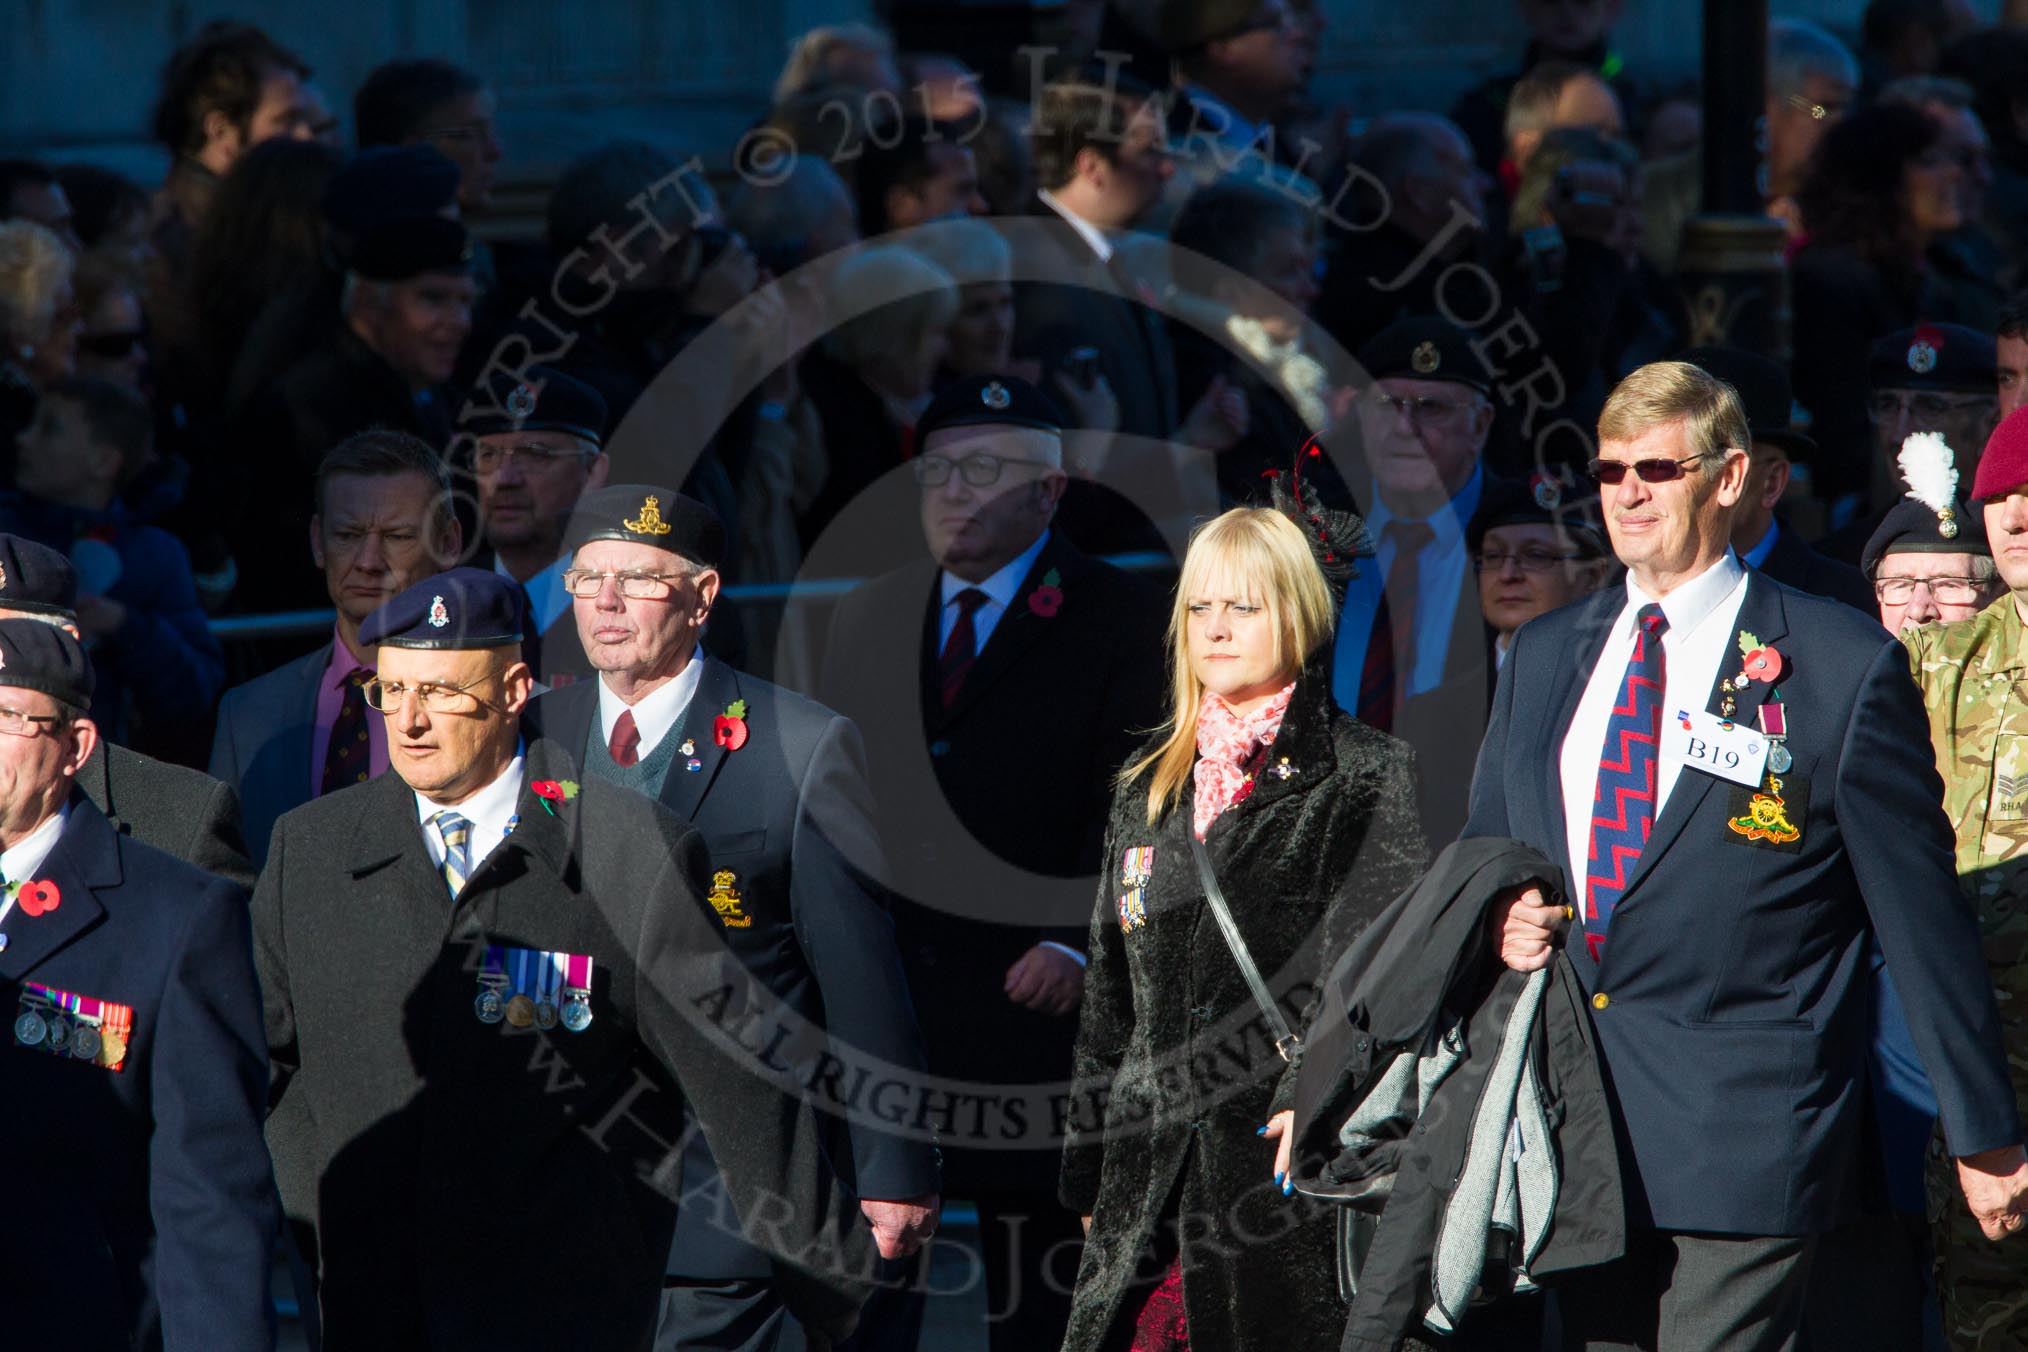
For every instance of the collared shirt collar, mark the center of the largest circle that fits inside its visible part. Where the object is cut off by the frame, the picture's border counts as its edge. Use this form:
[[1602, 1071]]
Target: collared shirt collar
[[1687, 606], [342, 663], [1449, 524], [1089, 233], [1757, 556], [1002, 585], [490, 810], [656, 713], [18, 865]]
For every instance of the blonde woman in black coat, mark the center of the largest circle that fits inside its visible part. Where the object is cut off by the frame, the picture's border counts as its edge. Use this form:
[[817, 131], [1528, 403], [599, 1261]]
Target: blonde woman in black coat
[[1177, 1137]]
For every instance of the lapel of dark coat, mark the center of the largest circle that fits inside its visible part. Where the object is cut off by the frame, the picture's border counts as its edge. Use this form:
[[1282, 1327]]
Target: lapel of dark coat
[[86, 857], [1015, 632], [95, 782], [717, 687], [388, 843], [1761, 613]]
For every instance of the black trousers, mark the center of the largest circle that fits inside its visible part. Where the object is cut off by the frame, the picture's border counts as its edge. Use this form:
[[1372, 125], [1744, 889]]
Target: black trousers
[[1032, 1244], [741, 1315], [1690, 1293]]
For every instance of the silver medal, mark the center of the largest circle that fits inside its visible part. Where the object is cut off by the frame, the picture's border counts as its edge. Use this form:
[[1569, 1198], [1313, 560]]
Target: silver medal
[[489, 1007], [59, 1034], [30, 1029], [1778, 758], [577, 1014], [85, 1043], [545, 1015]]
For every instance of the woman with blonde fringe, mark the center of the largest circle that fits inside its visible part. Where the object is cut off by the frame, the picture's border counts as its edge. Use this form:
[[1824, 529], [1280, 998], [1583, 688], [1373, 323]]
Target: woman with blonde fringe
[[1305, 820]]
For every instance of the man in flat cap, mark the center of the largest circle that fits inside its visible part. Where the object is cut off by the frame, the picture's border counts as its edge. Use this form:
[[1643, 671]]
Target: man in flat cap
[[999, 684], [1413, 651], [174, 809], [1930, 378], [1970, 673], [130, 1138], [383, 520], [537, 443], [1761, 539], [492, 982], [777, 785]]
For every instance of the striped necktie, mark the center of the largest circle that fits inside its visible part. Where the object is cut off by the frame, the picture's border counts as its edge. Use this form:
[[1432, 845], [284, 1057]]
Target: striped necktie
[[457, 834]]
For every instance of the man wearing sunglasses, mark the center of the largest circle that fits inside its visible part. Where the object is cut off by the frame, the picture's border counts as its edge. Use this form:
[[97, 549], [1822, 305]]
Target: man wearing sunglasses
[[1725, 877], [492, 986], [999, 684], [796, 870]]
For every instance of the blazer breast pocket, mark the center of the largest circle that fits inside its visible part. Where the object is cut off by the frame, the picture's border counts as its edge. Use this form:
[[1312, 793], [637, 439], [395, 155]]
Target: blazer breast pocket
[[735, 842]]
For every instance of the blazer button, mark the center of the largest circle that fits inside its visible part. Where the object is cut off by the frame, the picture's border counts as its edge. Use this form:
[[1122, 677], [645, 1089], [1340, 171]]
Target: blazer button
[[940, 747], [1600, 1001]]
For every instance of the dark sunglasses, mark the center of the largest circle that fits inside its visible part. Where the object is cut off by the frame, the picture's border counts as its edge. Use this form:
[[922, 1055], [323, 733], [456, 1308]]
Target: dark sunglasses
[[1657, 471], [112, 345]]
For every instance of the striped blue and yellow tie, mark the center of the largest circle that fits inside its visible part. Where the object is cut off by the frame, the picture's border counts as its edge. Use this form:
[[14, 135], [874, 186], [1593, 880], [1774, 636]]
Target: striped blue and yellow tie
[[457, 834]]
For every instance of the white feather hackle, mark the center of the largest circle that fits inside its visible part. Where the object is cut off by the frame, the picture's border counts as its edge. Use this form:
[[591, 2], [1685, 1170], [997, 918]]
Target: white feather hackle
[[1930, 469]]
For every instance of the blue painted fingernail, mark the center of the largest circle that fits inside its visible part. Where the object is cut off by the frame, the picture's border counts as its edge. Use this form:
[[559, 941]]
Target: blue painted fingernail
[[1288, 1189], [1262, 1131], [1278, 1180]]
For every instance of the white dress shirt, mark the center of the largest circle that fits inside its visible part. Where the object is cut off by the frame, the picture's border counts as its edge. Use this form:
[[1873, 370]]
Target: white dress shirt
[[490, 811], [18, 864], [656, 713], [999, 589], [1086, 231], [1701, 637]]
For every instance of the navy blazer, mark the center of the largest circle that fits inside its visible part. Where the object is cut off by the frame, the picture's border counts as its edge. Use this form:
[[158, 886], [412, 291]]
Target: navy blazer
[[1735, 1024], [140, 1202], [788, 816], [263, 741]]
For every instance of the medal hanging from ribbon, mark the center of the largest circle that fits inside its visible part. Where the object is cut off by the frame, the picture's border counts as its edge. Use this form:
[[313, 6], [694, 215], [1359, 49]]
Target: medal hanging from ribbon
[[521, 1004], [491, 1002], [548, 978], [533, 988], [1774, 726], [577, 981], [74, 1027]]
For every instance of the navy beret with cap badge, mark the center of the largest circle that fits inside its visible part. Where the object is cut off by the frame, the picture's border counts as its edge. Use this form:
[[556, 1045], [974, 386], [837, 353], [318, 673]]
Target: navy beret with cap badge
[[988, 401], [1932, 518], [645, 514], [39, 656], [382, 184], [1935, 357], [1424, 347], [538, 399], [36, 578], [462, 608]]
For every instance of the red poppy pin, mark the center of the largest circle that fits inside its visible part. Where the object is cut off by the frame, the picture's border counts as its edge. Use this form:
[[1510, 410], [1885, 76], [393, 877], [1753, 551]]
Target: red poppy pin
[[729, 728], [1763, 662], [37, 898], [1047, 599], [554, 791]]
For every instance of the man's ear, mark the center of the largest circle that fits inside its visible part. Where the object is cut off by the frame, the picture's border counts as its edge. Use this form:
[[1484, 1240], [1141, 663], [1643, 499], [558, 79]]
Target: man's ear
[[1777, 484], [84, 740], [517, 684], [219, 130], [317, 539], [450, 539], [709, 582]]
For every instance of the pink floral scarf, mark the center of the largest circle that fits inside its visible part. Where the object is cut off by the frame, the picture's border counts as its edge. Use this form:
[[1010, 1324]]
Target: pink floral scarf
[[1225, 743]]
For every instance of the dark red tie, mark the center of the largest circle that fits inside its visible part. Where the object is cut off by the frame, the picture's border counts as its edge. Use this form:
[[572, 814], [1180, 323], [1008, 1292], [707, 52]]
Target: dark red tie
[[962, 646], [1623, 805], [1390, 651], [348, 756], [625, 744]]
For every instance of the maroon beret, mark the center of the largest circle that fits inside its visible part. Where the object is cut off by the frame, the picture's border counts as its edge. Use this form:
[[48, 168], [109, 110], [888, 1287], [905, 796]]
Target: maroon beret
[[2004, 466]]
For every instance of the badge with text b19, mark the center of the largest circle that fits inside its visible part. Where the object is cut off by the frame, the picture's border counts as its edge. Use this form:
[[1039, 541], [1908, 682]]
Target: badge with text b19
[[1717, 746]]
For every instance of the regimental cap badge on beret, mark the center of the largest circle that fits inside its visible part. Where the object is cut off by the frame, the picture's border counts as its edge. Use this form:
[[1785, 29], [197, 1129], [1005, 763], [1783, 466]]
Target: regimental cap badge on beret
[[1547, 490], [520, 401], [3, 577], [995, 396], [650, 521], [1426, 359], [1922, 352], [440, 614]]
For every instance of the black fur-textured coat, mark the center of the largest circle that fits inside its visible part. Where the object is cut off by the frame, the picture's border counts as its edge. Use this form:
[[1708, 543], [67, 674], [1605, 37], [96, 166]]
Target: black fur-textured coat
[[1176, 1071]]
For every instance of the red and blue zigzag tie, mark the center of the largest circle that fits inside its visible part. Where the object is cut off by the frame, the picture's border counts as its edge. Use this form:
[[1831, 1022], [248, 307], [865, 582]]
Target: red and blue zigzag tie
[[1623, 807]]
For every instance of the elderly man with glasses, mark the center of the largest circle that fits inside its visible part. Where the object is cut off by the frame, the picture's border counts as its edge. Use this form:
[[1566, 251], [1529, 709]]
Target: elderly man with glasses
[[493, 986], [777, 785]]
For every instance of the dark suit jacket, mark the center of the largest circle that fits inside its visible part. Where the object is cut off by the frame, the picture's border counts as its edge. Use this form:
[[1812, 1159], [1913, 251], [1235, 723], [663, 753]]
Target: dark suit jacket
[[993, 812], [177, 810], [1794, 564], [262, 744], [1735, 970], [475, 1185], [141, 1202], [788, 816]]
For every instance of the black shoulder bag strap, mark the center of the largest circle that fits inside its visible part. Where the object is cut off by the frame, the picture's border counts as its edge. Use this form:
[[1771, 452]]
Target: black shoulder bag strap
[[1286, 1041]]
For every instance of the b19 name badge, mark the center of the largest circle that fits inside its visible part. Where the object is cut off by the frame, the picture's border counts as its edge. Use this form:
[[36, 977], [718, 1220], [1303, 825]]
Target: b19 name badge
[[1717, 746]]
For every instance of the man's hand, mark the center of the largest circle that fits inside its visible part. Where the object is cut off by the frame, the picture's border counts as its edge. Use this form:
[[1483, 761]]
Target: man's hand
[[1046, 980], [900, 1228], [1281, 1129], [1996, 1189], [1526, 926]]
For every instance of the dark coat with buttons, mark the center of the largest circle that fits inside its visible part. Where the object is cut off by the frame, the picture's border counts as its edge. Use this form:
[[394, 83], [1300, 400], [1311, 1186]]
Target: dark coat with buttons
[[1176, 1071], [992, 814], [478, 1185]]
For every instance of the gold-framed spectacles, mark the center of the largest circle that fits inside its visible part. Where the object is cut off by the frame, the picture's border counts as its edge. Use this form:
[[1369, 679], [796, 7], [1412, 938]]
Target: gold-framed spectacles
[[386, 696], [1818, 111], [15, 723], [585, 583]]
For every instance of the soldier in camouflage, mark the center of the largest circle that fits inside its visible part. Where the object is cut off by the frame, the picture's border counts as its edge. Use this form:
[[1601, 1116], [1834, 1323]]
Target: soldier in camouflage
[[1974, 678]]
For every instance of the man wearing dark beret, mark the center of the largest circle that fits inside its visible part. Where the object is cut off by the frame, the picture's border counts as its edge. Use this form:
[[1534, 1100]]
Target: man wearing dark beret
[[493, 983], [130, 1139], [178, 810], [537, 439], [1535, 547], [1759, 537], [1000, 685], [1969, 672], [1929, 559], [777, 785], [1413, 653], [1938, 378]]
